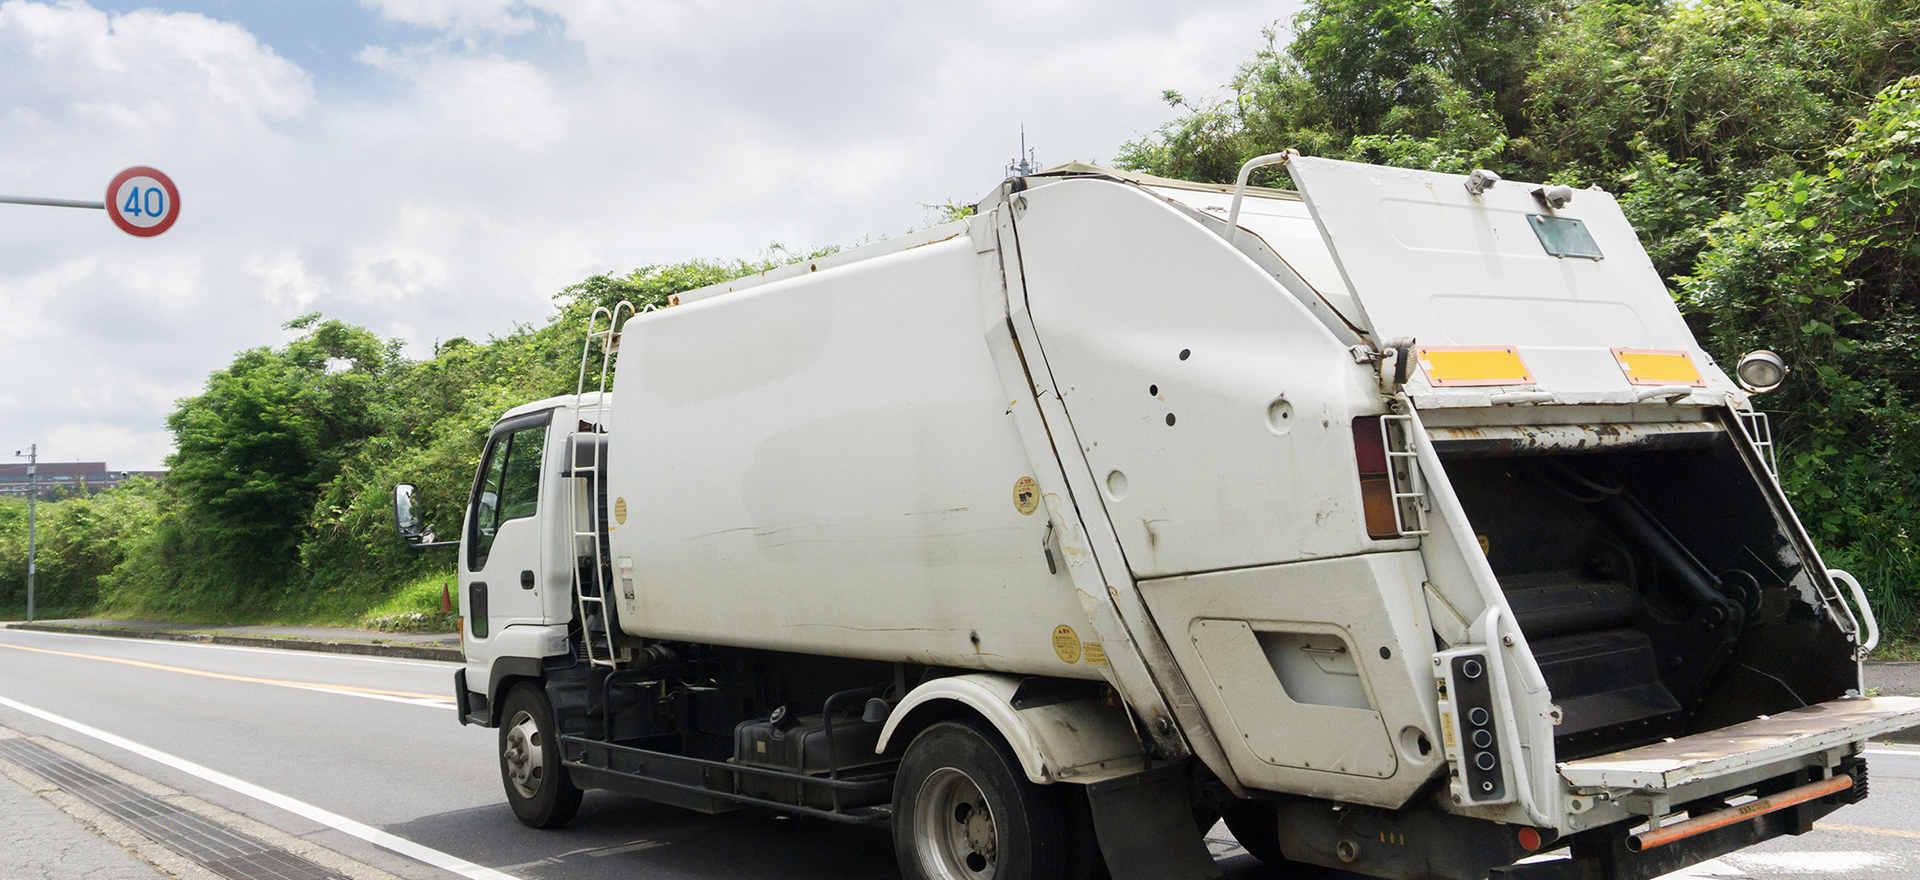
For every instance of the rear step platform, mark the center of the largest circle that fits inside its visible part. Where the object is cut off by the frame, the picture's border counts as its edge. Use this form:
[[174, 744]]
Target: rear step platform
[[1668, 765]]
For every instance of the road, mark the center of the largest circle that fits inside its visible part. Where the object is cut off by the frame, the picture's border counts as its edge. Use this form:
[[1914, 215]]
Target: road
[[375, 742]]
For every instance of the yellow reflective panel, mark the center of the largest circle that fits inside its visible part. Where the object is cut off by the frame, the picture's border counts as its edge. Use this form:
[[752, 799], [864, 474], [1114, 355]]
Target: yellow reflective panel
[[1474, 366], [1651, 367]]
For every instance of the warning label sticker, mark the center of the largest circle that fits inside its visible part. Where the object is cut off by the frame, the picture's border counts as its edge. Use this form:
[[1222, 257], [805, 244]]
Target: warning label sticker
[[1066, 643], [1026, 496]]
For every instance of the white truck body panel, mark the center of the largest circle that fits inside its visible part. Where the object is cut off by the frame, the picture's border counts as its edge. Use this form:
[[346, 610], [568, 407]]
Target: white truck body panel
[[1318, 672], [1216, 424], [1433, 262], [829, 460], [1283, 222]]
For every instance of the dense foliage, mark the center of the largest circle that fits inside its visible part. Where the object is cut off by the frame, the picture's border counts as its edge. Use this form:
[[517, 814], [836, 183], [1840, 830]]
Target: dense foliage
[[1768, 151]]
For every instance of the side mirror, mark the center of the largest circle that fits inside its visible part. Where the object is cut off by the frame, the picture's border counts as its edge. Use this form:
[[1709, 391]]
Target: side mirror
[[406, 516]]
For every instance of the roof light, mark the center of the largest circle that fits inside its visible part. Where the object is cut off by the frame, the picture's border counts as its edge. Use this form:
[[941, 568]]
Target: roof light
[[1480, 181], [1760, 371], [1557, 196]]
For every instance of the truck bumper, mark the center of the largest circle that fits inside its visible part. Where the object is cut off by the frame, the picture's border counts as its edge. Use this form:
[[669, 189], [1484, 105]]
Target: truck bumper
[[1614, 853]]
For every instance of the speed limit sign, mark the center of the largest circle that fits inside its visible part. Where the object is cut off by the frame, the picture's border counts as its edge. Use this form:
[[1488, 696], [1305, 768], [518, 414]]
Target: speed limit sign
[[142, 201]]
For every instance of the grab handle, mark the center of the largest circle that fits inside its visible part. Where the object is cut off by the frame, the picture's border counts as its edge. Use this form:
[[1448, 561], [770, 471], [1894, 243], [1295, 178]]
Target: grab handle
[[1866, 611], [1240, 186]]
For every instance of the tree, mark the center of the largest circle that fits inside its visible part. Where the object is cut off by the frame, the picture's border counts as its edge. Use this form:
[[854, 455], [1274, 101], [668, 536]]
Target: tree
[[253, 450]]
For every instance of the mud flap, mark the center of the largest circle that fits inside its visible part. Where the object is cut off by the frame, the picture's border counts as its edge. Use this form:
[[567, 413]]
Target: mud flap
[[1146, 828], [463, 705]]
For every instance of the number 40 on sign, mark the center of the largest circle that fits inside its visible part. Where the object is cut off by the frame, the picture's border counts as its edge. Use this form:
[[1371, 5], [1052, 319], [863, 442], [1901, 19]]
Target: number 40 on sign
[[142, 201]]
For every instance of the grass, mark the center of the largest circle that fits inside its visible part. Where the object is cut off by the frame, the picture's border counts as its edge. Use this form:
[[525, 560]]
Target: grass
[[1894, 647], [10, 613], [416, 607]]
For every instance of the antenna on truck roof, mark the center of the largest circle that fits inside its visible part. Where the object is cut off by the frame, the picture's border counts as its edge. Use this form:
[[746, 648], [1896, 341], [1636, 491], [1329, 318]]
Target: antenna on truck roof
[[1025, 163]]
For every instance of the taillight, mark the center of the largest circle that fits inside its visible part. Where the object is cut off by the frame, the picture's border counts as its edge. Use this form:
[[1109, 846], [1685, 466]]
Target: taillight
[[1376, 487]]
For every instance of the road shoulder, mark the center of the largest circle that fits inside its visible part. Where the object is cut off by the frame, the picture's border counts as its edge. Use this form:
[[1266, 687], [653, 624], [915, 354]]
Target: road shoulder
[[78, 836]]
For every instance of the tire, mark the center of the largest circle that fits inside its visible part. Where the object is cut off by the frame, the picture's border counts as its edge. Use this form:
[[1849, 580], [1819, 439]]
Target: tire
[[1256, 824], [963, 809], [538, 787]]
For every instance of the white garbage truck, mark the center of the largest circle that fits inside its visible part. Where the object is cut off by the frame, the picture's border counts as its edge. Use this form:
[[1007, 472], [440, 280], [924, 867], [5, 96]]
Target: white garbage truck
[[1400, 521]]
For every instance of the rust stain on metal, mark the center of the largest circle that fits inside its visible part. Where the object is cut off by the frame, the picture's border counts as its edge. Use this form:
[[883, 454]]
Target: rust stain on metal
[[1533, 439]]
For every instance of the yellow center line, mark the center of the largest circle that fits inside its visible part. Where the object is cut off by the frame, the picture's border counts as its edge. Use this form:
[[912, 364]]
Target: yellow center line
[[1867, 829], [247, 678]]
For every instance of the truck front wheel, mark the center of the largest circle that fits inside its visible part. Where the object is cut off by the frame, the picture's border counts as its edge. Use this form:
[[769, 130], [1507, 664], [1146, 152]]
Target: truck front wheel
[[964, 810], [538, 787]]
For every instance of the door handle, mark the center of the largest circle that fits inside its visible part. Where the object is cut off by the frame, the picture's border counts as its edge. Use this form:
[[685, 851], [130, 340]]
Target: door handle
[[526, 580], [477, 609]]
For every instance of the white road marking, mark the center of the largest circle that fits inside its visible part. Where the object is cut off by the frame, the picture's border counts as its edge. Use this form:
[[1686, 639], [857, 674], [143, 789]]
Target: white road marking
[[1707, 870], [280, 652], [1809, 862], [431, 704], [1710, 868], [368, 833]]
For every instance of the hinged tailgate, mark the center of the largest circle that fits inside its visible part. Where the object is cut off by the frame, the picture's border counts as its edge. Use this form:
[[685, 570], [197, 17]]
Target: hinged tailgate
[[1428, 259], [1668, 765]]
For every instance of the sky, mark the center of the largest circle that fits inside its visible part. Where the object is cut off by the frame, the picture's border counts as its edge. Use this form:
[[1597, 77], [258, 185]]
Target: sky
[[439, 168]]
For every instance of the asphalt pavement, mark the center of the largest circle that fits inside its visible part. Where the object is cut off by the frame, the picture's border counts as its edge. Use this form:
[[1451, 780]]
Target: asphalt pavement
[[38, 839], [362, 757]]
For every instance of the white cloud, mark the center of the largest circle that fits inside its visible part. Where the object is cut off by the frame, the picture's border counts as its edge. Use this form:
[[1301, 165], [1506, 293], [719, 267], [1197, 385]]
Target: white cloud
[[283, 279], [503, 150], [479, 101], [459, 16], [145, 78]]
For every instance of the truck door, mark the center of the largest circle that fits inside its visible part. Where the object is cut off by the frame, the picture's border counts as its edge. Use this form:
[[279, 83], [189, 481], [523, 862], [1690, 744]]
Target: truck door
[[500, 572]]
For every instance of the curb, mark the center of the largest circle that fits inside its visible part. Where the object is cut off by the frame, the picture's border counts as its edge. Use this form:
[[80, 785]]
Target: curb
[[411, 652]]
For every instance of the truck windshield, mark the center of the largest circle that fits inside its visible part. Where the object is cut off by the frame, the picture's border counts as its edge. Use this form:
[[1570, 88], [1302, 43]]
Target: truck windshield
[[509, 488]]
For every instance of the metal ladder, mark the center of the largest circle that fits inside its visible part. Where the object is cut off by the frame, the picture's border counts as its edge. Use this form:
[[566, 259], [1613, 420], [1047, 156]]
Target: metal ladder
[[1760, 433], [590, 589], [1404, 478]]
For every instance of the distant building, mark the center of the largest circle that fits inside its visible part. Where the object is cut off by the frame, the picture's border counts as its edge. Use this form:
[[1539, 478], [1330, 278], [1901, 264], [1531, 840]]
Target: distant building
[[67, 478]]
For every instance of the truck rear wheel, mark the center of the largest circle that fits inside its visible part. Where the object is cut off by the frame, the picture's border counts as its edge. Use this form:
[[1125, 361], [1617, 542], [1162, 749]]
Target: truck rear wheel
[[963, 809], [1256, 824], [538, 787]]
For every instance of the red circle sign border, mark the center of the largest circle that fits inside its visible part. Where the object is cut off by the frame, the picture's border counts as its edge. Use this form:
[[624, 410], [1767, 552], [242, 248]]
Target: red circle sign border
[[173, 200]]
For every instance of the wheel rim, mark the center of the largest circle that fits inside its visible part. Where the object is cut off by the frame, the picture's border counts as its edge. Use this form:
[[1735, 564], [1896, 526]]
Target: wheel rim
[[957, 836], [525, 755]]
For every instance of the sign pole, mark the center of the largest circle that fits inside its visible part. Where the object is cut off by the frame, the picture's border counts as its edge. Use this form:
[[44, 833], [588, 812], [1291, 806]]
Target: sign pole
[[52, 203], [32, 456]]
